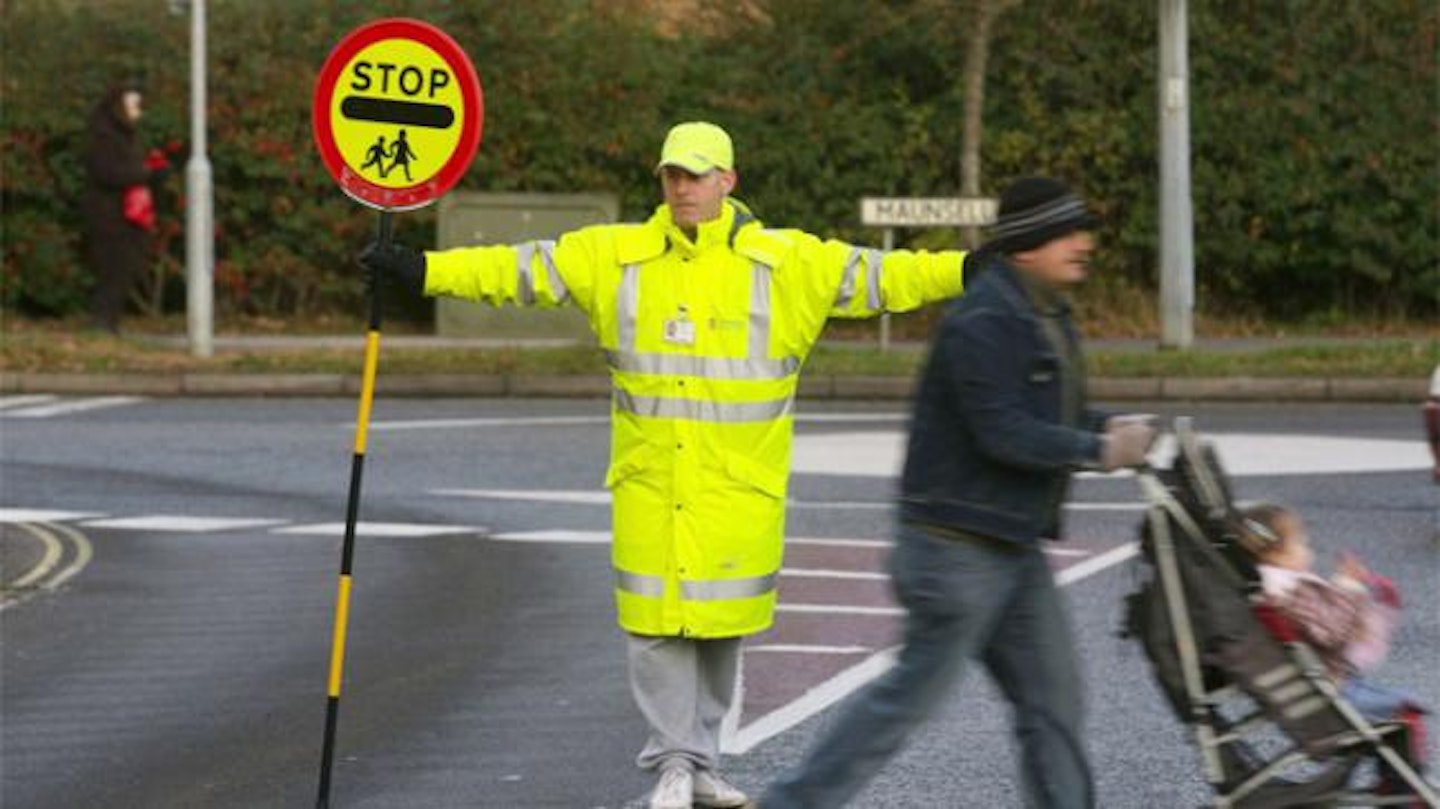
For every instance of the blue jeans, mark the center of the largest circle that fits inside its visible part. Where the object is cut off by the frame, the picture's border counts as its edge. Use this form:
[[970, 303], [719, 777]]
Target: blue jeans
[[1376, 702], [965, 600]]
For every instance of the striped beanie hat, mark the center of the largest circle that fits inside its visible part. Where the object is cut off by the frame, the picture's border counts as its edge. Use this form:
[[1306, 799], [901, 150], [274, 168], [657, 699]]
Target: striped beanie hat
[[1034, 211]]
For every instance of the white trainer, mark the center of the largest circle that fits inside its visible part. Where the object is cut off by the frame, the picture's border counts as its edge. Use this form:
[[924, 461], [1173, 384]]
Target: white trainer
[[674, 790], [714, 792]]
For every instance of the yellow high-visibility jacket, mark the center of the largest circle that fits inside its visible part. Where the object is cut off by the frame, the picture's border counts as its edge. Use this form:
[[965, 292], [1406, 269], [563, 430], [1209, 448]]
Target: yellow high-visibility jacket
[[705, 340]]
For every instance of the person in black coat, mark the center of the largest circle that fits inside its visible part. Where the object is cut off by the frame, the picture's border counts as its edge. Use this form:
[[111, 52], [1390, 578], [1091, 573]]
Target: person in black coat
[[1001, 420], [117, 248]]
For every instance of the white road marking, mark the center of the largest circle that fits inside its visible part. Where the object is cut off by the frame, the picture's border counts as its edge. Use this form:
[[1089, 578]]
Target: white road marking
[[378, 529], [1094, 565], [880, 453], [562, 537], [839, 543], [800, 648], [808, 573], [43, 515], [597, 498], [601, 497], [739, 740], [568, 421], [522, 421], [10, 402], [817, 699], [838, 609], [178, 523], [68, 406]]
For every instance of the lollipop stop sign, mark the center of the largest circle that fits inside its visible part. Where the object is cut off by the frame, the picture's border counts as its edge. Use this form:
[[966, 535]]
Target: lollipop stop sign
[[398, 114]]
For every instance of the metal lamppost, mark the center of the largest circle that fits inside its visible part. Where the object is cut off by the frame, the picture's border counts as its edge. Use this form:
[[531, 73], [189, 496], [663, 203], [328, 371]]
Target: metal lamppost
[[199, 198], [1177, 250]]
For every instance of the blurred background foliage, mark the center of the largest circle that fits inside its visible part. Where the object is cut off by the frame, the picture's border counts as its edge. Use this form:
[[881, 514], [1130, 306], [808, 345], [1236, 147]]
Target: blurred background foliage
[[1315, 133]]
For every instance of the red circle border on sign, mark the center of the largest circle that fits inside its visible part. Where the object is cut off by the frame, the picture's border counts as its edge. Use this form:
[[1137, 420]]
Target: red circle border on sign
[[420, 194]]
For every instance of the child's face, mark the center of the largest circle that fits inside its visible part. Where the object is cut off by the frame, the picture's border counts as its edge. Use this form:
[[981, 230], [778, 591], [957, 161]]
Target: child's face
[[1294, 551]]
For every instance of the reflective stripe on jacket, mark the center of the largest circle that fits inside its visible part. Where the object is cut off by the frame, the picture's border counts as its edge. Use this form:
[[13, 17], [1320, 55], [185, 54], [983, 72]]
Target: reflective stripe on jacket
[[705, 340]]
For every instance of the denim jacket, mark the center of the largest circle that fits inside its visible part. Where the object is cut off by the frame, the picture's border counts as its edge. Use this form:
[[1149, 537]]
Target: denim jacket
[[989, 451]]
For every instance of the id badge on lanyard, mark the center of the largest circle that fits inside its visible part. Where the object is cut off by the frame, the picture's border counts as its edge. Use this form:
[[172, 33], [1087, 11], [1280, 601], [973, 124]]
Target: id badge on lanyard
[[680, 330]]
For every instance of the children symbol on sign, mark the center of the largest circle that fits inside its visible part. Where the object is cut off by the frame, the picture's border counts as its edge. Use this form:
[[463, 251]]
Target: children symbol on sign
[[401, 154], [375, 156], [398, 152]]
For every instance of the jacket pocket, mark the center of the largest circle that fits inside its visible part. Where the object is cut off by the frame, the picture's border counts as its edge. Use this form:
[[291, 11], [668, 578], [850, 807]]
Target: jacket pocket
[[764, 479], [634, 461], [1044, 370]]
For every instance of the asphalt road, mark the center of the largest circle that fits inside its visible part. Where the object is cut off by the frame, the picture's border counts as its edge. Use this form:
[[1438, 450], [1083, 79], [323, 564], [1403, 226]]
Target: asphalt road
[[170, 645]]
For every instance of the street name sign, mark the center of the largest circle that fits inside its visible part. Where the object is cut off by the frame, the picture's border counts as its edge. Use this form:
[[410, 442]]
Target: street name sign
[[398, 114], [927, 212]]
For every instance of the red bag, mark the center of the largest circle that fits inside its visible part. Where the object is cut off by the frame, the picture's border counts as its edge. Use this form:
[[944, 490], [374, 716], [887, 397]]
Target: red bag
[[139, 207]]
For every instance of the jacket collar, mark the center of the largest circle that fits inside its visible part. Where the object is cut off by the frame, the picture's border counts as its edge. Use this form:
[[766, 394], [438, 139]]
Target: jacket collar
[[718, 232], [1024, 295]]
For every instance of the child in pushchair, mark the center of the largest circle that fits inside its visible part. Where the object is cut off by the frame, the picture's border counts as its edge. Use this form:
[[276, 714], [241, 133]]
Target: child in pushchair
[[1347, 619], [1236, 670]]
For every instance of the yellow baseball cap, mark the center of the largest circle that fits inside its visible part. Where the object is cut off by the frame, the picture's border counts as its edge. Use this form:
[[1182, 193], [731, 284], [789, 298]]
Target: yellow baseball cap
[[697, 147]]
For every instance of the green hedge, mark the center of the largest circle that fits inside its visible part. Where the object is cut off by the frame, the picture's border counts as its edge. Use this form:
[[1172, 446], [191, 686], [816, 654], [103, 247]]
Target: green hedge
[[1314, 131]]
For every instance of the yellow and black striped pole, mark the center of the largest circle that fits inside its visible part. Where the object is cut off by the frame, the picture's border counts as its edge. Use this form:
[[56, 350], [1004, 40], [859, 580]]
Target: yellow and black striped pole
[[352, 511]]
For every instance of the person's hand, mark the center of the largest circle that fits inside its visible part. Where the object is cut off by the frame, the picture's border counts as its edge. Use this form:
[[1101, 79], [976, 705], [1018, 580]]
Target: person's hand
[[1127, 440], [1133, 418], [396, 263], [158, 165], [156, 159], [1350, 566]]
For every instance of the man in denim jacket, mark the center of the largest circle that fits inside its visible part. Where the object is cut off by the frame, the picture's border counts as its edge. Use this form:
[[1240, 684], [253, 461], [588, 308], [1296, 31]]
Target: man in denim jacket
[[1000, 422]]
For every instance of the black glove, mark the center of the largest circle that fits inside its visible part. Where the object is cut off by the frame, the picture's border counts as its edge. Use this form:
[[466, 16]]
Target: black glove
[[395, 263]]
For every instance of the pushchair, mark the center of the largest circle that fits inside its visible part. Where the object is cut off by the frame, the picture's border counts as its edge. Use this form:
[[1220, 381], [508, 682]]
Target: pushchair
[[1271, 727]]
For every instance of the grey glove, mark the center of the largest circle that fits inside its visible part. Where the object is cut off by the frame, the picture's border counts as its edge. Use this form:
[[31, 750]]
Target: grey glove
[[396, 263], [1127, 440]]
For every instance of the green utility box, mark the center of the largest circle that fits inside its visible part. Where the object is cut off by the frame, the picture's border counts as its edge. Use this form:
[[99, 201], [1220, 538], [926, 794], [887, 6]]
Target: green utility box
[[471, 218]]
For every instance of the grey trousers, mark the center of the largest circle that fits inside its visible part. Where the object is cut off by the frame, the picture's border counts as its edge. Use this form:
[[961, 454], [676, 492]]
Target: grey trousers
[[683, 687]]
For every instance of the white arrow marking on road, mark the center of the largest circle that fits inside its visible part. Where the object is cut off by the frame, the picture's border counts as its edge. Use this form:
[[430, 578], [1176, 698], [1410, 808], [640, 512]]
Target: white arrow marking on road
[[741, 740]]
